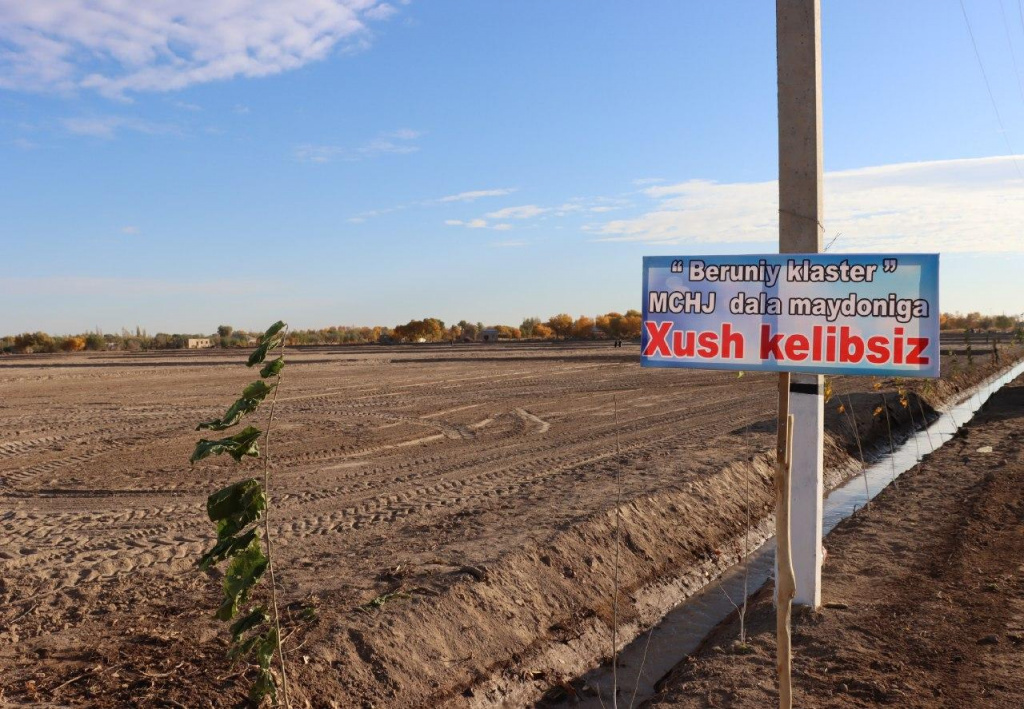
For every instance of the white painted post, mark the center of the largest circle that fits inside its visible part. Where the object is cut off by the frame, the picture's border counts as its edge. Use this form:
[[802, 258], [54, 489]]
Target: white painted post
[[798, 46], [808, 410]]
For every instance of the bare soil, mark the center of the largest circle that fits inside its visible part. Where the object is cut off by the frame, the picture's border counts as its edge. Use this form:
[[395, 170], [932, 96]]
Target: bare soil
[[445, 513], [923, 593]]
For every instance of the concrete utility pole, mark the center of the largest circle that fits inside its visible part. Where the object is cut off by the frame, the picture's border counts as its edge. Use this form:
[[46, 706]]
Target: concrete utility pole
[[798, 45]]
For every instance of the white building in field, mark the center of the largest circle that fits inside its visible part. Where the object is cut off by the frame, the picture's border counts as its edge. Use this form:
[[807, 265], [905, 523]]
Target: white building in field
[[488, 335], [198, 343]]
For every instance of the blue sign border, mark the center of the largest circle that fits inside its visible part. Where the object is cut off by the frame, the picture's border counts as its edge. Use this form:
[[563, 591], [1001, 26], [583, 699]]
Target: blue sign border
[[928, 290]]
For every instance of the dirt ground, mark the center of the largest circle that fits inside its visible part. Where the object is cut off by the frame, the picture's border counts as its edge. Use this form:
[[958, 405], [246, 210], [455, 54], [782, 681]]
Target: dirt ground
[[445, 514], [923, 593]]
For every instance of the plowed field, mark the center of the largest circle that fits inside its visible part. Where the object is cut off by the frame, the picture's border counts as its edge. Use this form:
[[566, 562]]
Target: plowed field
[[383, 458], [452, 477]]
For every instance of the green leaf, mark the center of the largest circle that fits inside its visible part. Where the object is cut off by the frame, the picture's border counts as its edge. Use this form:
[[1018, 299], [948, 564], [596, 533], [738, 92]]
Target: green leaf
[[235, 499], [260, 353], [264, 686], [237, 446], [267, 648], [242, 574], [233, 508], [232, 416], [245, 647], [227, 609], [271, 339], [236, 506], [252, 396], [272, 369], [225, 547], [257, 390], [273, 330], [263, 646], [247, 622]]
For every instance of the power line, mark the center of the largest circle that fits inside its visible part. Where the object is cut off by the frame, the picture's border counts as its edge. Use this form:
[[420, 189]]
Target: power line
[[1009, 44], [991, 96]]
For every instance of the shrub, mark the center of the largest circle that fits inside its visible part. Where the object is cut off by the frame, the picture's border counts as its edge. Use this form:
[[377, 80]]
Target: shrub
[[73, 344]]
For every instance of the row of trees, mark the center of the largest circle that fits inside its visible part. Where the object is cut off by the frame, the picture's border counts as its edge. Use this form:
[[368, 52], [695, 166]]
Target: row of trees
[[139, 340], [562, 326], [624, 326], [42, 342], [29, 342], [977, 321], [334, 335], [611, 325]]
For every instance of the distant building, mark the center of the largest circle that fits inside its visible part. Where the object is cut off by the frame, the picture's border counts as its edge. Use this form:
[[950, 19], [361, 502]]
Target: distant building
[[198, 343], [489, 335]]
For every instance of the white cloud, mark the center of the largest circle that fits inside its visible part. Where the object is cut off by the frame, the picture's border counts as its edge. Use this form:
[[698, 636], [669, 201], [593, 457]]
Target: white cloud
[[474, 195], [131, 230], [477, 224], [95, 127], [526, 211], [596, 205], [569, 208], [644, 181], [116, 47], [317, 153], [381, 12], [385, 146], [508, 244], [972, 205], [391, 143], [404, 134], [370, 214], [575, 206], [24, 144], [108, 126]]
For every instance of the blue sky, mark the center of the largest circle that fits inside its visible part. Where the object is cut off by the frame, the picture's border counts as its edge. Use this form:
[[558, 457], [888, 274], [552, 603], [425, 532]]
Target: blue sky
[[356, 162]]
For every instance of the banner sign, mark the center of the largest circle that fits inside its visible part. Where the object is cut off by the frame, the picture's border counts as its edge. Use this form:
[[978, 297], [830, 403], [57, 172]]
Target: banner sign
[[873, 314]]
